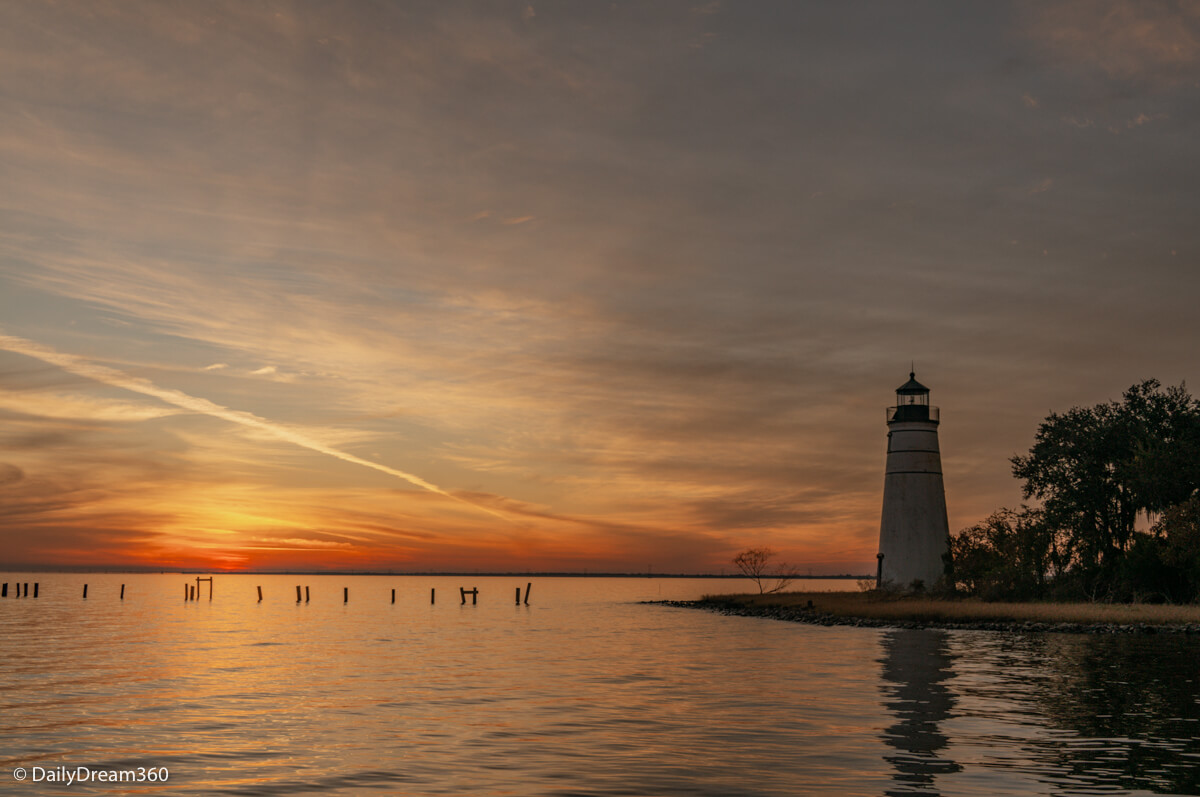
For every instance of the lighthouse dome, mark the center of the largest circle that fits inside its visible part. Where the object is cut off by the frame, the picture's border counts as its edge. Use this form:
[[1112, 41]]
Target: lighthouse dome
[[912, 386]]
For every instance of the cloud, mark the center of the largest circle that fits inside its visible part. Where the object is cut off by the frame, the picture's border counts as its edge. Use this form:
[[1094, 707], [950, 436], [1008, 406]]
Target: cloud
[[216, 366], [266, 370], [1158, 43], [176, 398], [10, 474], [73, 406], [1043, 186]]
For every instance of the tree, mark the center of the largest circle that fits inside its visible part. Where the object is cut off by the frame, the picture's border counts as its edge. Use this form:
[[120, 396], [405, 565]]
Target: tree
[[1009, 555], [1178, 532], [1096, 469], [754, 563]]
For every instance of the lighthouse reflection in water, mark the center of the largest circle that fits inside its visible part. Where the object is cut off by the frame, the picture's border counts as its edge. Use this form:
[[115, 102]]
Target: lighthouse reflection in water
[[916, 667]]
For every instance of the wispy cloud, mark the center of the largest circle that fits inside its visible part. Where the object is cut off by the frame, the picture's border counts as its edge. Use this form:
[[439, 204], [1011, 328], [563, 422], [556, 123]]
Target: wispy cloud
[[1156, 42], [109, 376], [1043, 186]]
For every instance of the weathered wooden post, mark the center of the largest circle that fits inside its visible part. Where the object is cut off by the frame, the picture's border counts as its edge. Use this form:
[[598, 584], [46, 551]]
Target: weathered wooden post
[[431, 591], [4, 590], [297, 593], [345, 594], [35, 589], [306, 594], [185, 591], [462, 593], [260, 594], [26, 589], [122, 592], [393, 594], [518, 596], [84, 591], [528, 584]]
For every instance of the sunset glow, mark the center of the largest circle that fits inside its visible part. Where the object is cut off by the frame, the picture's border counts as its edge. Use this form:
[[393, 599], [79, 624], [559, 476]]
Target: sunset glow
[[575, 287]]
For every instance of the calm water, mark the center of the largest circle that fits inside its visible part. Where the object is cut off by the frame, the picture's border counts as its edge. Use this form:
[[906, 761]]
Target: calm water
[[584, 692]]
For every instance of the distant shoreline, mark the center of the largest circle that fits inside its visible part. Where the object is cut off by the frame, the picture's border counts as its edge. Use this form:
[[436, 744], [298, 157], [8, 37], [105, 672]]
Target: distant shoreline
[[406, 573], [867, 610]]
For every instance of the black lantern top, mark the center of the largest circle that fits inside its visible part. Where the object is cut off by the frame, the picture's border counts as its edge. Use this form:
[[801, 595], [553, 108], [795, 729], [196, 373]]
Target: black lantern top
[[912, 403], [911, 391]]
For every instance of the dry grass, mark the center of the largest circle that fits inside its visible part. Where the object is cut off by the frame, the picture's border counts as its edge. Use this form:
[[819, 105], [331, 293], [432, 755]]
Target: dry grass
[[891, 607]]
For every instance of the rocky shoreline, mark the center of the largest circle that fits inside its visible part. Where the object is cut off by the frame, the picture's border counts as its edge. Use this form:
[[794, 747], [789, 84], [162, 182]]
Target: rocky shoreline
[[814, 616]]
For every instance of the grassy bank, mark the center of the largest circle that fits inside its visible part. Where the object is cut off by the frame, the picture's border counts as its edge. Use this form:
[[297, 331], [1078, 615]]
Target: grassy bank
[[882, 608]]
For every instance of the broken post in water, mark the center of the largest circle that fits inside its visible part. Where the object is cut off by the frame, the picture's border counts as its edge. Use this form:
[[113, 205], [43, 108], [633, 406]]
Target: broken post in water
[[528, 584], [35, 589], [473, 592], [122, 592], [209, 580], [35, 594], [431, 591], [306, 594], [297, 593], [345, 594], [393, 594], [260, 594]]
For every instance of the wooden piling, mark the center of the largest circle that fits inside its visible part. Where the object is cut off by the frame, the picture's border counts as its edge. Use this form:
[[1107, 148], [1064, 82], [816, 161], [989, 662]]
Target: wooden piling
[[306, 594], [518, 596], [528, 584], [185, 592], [462, 593], [393, 594], [260, 594], [297, 593], [122, 592], [431, 591], [26, 589], [345, 594], [4, 590], [473, 592], [84, 591], [35, 589]]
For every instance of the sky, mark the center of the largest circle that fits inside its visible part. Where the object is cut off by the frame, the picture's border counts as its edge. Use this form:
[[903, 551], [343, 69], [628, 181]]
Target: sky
[[566, 286]]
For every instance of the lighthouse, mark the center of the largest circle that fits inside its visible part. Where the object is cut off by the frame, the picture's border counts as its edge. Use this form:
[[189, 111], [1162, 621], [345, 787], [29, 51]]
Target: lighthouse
[[913, 530]]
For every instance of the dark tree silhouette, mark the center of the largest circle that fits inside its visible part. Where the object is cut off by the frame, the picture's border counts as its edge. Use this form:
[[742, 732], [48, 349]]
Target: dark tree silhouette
[[755, 563], [1095, 471]]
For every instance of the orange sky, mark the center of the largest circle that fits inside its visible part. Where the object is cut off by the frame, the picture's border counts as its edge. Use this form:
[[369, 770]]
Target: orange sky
[[605, 287]]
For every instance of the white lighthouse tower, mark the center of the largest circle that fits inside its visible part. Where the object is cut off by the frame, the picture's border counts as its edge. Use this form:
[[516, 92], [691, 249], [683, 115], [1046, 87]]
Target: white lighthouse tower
[[914, 530]]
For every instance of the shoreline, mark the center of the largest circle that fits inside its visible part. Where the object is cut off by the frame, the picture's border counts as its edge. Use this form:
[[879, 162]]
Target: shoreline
[[862, 611]]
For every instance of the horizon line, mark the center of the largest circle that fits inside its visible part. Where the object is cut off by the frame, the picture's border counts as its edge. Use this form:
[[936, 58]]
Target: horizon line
[[410, 573]]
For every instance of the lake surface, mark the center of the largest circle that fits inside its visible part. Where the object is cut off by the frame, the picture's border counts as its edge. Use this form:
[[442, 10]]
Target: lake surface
[[583, 692]]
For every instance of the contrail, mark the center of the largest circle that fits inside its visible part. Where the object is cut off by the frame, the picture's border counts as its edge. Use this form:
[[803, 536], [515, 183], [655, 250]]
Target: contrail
[[115, 378]]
